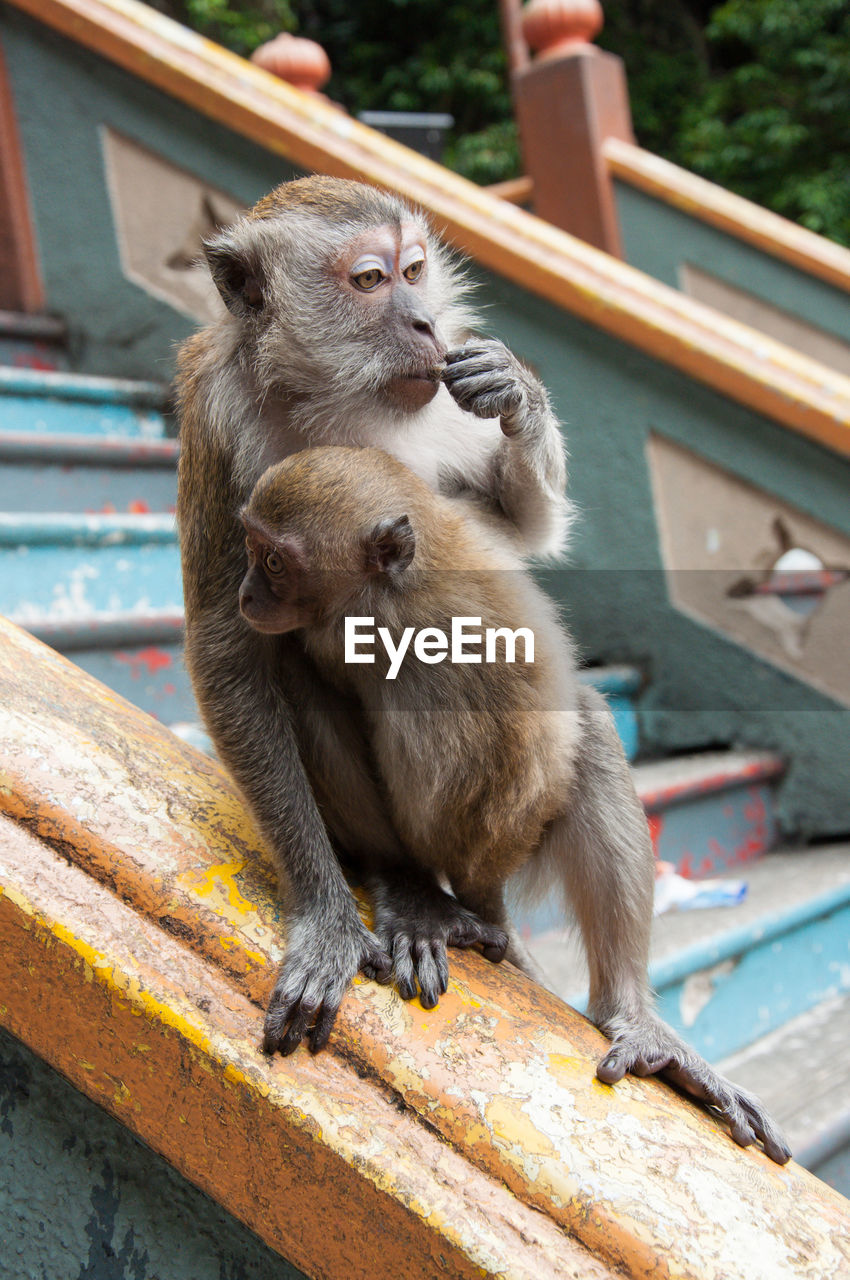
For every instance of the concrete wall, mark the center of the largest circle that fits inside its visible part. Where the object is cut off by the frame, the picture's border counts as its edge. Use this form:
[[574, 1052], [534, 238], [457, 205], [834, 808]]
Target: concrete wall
[[81, 1197], [739, 279], [66, 99]]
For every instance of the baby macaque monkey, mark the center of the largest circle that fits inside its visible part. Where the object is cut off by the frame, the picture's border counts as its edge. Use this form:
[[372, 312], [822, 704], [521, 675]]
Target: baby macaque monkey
[[494, 763]]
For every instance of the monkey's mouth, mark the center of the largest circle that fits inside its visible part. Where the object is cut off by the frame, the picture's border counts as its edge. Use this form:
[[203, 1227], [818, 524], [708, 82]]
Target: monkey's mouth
[[414, 390]]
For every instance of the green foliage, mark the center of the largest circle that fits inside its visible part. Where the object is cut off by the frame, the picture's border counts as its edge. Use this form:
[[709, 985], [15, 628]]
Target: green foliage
[[772, 122], [239, 27], [754, 94], [663, 46], [423, 55]]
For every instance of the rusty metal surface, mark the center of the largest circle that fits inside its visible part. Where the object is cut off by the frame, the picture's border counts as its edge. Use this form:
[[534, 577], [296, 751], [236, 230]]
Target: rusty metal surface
[[321, 1164], [501, 1070]]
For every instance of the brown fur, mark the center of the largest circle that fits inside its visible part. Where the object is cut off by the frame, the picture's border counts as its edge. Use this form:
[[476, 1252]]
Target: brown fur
[[299, 357]]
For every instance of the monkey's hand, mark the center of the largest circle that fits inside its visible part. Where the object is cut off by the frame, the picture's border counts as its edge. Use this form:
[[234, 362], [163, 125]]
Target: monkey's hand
[[322, 956], [487, 379], [416, 921], [649, 1047]]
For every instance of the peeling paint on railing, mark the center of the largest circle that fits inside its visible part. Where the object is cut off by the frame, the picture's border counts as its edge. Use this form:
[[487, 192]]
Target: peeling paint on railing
[[501, 1071]]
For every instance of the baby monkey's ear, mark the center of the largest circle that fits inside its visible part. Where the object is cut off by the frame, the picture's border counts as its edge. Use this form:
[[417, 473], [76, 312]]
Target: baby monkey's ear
[[390, 546]]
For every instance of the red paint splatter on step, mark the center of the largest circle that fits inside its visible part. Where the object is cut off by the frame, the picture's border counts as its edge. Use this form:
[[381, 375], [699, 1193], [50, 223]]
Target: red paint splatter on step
[[150, 660], [656, 822]]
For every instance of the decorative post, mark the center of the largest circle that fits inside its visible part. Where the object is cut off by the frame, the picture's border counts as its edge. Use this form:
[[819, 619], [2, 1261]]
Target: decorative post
[[568, 100], [21, 288], [298, 61]]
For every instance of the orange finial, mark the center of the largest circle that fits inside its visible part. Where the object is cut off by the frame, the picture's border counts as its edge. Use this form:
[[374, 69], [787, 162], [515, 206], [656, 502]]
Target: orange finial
[[300, 62], [554, 27]]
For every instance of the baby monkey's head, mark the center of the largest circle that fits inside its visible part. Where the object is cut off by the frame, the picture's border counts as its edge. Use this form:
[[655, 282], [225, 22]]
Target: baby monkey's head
[[320, 527]]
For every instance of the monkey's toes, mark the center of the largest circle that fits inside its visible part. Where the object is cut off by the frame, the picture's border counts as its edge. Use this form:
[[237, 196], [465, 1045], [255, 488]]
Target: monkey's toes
[[495, 945]]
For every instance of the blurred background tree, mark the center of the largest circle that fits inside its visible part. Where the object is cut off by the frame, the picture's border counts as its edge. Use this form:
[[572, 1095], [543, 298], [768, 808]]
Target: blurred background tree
[[753, 94]]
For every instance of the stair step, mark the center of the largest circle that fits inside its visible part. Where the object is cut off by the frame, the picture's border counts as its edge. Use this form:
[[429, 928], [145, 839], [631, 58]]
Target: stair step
[[32, 341], [710, 812], [620, 685], [139, 656], [67, 568], [782, 951], [74, 404], [44, 472], [802, 1073]]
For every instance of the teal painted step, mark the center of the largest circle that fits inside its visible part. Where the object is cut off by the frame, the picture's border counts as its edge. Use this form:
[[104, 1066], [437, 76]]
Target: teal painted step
[[727, 976], [72, 404], [139, 656], [621, 686], [60, 569], [32, 341], [50, 472], [802, 1073], [710, 814]]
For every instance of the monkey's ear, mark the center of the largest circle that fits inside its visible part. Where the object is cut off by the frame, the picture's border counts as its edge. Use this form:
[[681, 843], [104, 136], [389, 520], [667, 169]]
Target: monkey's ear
[[237, 279], [390, 546]]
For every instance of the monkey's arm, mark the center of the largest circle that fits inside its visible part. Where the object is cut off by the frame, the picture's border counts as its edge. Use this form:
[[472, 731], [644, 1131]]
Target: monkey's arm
[[240, 689], [529, 475], [603, 846]]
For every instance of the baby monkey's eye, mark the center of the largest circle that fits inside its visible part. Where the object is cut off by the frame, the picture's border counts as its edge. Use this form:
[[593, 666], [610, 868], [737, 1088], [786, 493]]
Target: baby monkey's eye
[[368, 279], [414, 271], [273, 562]]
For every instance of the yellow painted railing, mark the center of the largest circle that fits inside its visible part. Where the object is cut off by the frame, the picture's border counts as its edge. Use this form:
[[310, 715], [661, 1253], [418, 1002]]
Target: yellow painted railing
[[138, 942], [733, 359], [741, 218]]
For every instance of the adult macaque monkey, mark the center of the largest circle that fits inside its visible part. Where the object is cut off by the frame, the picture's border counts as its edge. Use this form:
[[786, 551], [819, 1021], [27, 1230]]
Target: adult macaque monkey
[[491, 767], [344, 325]]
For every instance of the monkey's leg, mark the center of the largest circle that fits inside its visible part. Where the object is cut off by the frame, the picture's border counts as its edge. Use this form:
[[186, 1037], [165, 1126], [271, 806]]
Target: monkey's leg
[[247, 705], [415, 920], [603, 847]]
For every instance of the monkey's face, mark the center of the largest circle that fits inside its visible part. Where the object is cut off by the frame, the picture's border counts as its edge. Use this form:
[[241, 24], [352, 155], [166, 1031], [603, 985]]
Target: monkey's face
[[383, 277], [272, 597], [324, 529], [295, 580], [347, 314]]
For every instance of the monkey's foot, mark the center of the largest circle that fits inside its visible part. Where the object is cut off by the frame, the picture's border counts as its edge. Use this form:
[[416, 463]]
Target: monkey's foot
[[651, 1048], [416, 921], [321, 959]]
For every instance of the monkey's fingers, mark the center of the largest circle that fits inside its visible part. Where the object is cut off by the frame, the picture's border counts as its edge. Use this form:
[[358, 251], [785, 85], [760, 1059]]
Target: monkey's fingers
[[473, 932], [432, 970], [613, 1066], [321, 1033], [747, 1119], [302, 1017], [403, 967], [377, 964]]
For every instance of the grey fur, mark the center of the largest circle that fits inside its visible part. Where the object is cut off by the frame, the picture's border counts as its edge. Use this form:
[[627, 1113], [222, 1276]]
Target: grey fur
[[295, 360]]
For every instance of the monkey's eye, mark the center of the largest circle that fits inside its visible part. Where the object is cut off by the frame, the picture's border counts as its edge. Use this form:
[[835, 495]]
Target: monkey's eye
[[368, 279], [273, 562], [414, 271]]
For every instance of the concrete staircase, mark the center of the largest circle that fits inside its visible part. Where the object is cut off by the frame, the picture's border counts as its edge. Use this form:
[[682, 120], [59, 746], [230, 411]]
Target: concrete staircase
[[89, 563]]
